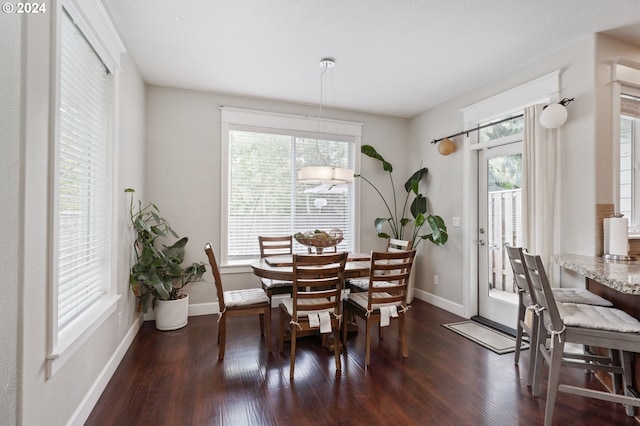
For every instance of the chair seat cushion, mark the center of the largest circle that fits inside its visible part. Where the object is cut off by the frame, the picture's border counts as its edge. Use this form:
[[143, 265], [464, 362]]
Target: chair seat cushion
[[361, 299], [251, 296], [579, 295], [598, 317], [288, 304], [275, 283], [364, 283]]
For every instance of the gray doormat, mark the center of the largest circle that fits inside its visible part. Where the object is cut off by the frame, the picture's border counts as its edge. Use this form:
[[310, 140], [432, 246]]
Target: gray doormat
[[488, 337]]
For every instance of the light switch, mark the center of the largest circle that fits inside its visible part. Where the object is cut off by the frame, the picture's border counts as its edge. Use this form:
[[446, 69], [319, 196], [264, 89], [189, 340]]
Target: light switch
[[456, 221]]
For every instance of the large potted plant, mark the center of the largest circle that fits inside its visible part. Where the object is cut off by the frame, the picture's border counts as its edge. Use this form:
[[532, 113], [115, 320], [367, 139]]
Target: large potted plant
[[157, 277], [398, 220]]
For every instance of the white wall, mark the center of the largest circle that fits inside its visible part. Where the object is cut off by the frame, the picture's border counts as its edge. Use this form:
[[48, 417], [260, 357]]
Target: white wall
[[69, 394], [585, 171], [10, 167], [183, 167], [577, 181]]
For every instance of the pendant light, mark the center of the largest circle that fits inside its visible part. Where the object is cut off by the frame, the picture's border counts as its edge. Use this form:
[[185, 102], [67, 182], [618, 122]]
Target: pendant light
[[324, 174]]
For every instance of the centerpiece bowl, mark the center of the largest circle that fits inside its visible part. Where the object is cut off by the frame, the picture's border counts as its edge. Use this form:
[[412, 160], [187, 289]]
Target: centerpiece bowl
[[319, 240]]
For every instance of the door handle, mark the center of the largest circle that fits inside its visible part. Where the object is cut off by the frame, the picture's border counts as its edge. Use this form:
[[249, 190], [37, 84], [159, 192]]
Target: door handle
[[480, 242]]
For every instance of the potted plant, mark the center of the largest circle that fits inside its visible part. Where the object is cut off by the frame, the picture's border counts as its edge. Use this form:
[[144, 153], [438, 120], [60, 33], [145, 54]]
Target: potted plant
[[397, 219], [157, 277]]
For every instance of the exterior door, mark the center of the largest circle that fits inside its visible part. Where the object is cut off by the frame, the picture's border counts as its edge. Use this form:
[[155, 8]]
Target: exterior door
[[499, 221]]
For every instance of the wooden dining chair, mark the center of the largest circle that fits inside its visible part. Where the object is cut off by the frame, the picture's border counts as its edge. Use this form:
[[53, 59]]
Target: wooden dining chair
[[393, 245], [385, 299], [275, 246], [233, 303], [587, 325], [317, 287]]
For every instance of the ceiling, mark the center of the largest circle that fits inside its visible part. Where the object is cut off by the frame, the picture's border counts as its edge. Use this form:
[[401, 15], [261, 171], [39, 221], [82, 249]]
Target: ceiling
[[393, 57]]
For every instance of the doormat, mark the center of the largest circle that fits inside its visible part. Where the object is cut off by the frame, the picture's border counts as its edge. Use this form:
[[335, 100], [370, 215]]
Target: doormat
[[488, 337]]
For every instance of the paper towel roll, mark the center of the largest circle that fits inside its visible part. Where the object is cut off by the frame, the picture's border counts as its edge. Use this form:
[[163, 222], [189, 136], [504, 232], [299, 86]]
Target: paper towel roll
[[615, 236]]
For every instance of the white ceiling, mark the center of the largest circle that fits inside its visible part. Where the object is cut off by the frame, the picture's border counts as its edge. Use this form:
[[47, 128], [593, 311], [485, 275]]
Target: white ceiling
[[393, 57]]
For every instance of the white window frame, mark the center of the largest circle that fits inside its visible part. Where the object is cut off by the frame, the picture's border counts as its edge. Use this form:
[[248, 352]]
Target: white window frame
[[92, 19], [296, 123]]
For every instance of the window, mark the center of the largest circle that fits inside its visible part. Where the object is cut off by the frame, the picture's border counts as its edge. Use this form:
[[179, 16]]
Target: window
[[263, 196], [83, 192], [83, 294], [629, 151]]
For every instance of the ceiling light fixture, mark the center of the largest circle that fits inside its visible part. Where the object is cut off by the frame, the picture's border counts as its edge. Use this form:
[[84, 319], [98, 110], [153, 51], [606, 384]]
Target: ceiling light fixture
[[324, 174]]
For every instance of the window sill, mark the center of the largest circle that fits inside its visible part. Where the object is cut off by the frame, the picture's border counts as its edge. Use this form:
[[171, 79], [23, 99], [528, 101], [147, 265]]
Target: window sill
[[79, 331]]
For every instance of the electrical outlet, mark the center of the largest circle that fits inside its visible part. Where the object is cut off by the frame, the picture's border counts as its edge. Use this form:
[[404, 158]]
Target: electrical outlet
[[435, 280]]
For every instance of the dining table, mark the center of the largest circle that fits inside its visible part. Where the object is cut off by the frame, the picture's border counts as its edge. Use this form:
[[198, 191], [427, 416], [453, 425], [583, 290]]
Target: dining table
[[281, 267]]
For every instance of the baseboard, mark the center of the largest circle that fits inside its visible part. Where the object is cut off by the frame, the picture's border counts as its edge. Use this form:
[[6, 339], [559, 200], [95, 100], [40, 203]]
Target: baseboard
[[197, 309], [83, 411], [440, 302]]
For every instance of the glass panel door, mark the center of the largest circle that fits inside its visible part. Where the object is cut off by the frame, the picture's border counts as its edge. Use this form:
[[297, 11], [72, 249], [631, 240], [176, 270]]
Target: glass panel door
[[499, 221]]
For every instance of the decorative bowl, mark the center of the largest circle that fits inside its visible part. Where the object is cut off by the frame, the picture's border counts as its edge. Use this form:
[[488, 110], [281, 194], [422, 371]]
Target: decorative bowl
[[319, 239]]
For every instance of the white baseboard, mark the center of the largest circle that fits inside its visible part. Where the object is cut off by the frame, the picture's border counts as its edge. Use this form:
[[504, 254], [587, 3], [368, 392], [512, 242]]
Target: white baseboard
[[83, 411], [438, 301]]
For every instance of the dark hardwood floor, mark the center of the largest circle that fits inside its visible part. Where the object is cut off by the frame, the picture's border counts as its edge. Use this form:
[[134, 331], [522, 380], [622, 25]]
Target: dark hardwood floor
[[175, 378]]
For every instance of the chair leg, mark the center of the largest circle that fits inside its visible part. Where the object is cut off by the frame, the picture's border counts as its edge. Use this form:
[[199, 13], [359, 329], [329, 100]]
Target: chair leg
[[519, 330], [627, 380], [261, 317], [554, 379], [538, 362], [222, 336], [281, 336], [402, 330], [367, 336], [346, 312], [336, 345], [380, 332], [267, 319], [533, 350], [292, 363]]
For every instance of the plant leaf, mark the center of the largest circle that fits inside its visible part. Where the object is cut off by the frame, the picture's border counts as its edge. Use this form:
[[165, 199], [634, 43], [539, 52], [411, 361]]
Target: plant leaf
[[370, 151], [439, 235], [419, 205], [417, 176]]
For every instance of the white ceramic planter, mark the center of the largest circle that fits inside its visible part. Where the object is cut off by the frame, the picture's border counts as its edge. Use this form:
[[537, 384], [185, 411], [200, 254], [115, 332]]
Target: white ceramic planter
[[172, 314]]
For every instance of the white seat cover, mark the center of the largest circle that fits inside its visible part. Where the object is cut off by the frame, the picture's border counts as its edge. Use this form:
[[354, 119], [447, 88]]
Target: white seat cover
[[245, 297], [288, 304], [361, 299], [275, 283], [579, 295], [599, 317]]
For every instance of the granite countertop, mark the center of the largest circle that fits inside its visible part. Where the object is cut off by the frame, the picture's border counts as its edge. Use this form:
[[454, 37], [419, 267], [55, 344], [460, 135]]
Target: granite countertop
[[623, 276]]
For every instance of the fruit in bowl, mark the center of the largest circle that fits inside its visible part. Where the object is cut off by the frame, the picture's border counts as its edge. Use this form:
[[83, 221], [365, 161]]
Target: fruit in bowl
[[319, 238]]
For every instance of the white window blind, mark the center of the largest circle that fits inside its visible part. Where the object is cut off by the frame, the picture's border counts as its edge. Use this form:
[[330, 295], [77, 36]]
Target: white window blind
[[82, 192], [264, 197]]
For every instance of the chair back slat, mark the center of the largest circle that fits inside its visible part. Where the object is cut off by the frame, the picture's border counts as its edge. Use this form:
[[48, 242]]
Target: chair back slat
[[275, 246], [395, 245], [216, 275], [542, 290], [389, 277], [317, 282], [520, 273]]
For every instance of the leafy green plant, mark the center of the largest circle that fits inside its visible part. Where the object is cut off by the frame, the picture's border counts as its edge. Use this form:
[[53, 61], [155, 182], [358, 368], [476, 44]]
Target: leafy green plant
[[158, 273], [397, 219]]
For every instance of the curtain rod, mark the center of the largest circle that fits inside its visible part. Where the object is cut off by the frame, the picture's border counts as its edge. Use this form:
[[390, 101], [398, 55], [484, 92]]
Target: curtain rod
[[475, 129]]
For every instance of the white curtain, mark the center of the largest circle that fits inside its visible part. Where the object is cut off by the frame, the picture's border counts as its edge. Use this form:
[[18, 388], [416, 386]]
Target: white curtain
[[539, 187]]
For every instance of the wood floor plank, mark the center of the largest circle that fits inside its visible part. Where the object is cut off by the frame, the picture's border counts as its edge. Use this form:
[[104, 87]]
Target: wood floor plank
[[175, 378]]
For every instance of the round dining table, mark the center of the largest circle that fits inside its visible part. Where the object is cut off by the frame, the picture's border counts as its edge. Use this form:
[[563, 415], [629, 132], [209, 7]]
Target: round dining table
[[281, 267]]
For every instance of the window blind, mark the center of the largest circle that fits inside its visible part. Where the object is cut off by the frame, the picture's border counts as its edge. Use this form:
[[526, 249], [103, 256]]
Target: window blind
[[83, 207], [265, 197]]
